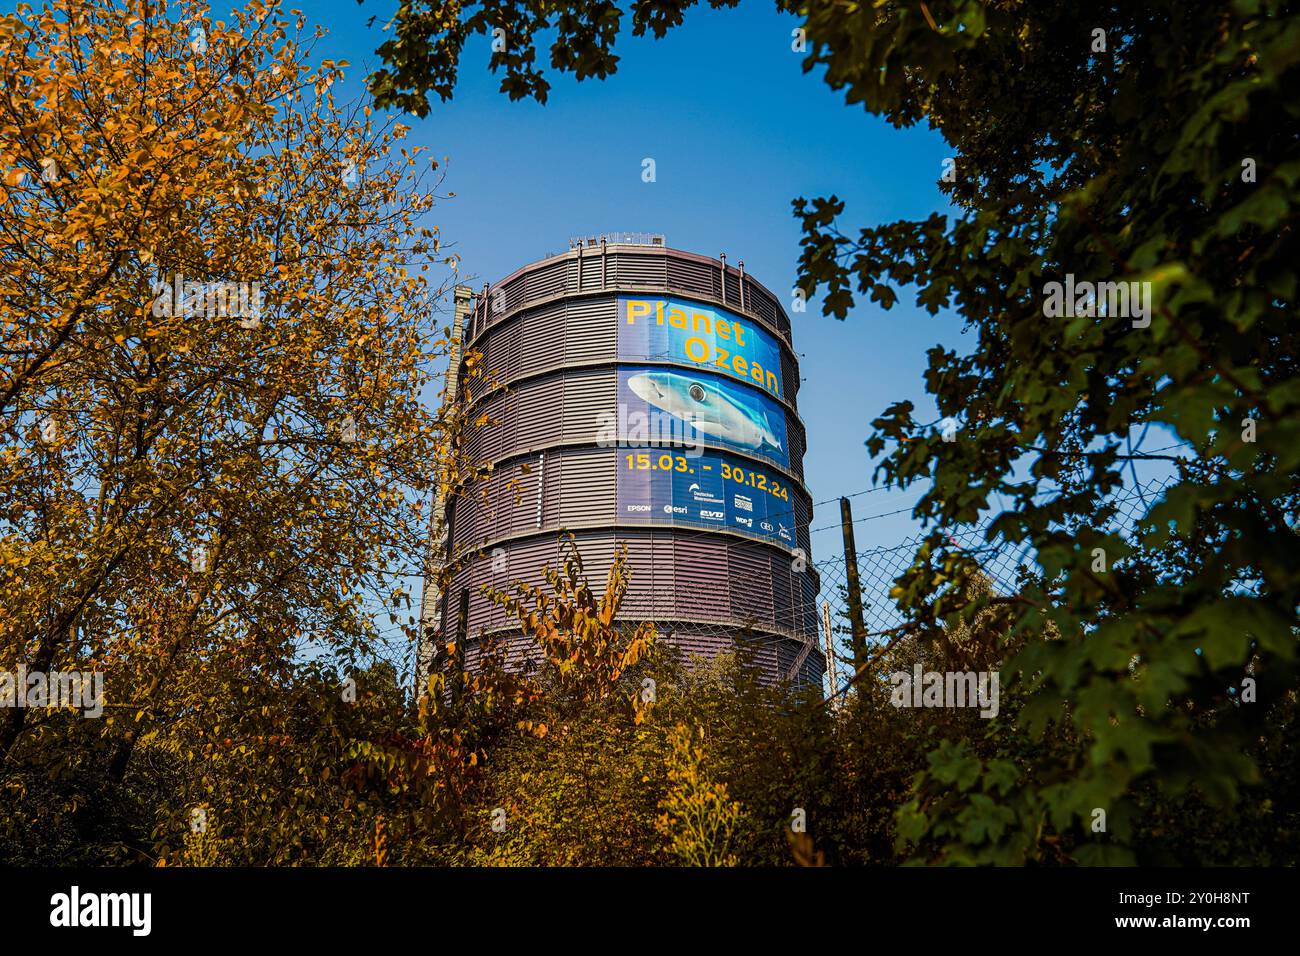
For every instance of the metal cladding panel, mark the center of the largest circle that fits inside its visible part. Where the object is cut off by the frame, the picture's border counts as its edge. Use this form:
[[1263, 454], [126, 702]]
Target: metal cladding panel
[[513, 353], [530, 497], [700, 564], [761, 304], [787, 652], [794, 606], [512, 294], [802, 518], [622, 266], [573, 265], [784, 599], [546, 281], [482, 442], [671, 577], [500, 426], [543, 339], [794, 430], [588, 476], [591, 330], [553, 492], [502, 354], [641, 269], [656, 560], [498, 507], [496, 518], [751, 587], [690, 646], [667, 587], [731, 288], [515, 652], [597, 552], [541, 421], [688, 276], [594, 269], [645, 585], [462, 515], [478, 502], [808, 588], [470, 578], [789, 377], [587, 395]]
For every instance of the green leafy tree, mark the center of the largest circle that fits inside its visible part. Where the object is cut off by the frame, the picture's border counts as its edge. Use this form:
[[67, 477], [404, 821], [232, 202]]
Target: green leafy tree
[[1150, 143]]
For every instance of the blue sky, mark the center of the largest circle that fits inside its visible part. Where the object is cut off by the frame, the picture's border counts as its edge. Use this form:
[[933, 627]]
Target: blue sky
[[737, 130]]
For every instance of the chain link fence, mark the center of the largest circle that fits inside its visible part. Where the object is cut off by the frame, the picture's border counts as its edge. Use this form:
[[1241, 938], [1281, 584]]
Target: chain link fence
[[795, 653], [879, 568]]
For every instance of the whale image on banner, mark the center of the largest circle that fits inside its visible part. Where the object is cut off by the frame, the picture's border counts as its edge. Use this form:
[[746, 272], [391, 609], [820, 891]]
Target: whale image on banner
[[706, 409]]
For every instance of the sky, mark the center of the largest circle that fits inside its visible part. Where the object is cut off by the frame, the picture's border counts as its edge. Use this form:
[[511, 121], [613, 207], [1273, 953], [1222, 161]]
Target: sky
[[737, 130]]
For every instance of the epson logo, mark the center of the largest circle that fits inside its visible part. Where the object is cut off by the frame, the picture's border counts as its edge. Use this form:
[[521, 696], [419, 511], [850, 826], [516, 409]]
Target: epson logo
[[103, 909], [638, 507]]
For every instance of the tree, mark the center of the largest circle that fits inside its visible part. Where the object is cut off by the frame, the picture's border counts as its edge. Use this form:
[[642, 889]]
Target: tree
[[1148, 153], [697, 818], [216, 326], [585, 651]]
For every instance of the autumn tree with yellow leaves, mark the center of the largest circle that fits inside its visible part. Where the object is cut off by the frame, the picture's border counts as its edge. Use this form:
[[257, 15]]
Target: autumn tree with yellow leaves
[[216, 322], [698, 818]]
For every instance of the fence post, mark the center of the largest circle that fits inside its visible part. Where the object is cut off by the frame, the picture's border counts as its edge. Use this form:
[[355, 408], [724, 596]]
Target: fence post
[[856, 624], [831, 670]]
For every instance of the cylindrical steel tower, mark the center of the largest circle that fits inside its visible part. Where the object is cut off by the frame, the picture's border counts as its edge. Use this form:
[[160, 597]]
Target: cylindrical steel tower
[[640, 395]]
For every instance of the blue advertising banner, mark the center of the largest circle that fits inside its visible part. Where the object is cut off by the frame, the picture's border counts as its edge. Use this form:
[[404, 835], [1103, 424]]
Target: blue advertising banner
[[678, 330], [710, 491], [685, 409]]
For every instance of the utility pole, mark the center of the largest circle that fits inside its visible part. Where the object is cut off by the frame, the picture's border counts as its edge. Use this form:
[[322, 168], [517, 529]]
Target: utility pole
[[859, 628], [831, 670], [431, 599]]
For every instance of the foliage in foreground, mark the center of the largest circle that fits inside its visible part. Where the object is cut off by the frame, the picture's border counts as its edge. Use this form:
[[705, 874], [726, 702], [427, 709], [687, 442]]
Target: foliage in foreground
[[655, 764]]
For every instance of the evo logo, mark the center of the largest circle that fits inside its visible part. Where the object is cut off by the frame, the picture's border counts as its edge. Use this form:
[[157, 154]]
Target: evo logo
[[103, 909]]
